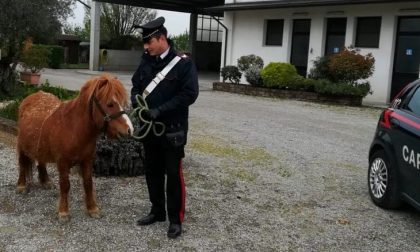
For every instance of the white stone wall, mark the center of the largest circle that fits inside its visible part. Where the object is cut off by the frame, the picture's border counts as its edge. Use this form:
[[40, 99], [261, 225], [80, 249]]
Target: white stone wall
[[122, 60], [246, 36]]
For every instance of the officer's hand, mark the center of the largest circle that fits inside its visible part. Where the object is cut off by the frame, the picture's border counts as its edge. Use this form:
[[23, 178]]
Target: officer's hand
[[151, 114]]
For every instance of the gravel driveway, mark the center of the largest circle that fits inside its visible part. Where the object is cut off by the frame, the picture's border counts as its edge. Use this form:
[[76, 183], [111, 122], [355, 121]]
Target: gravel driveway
[[261, 175]]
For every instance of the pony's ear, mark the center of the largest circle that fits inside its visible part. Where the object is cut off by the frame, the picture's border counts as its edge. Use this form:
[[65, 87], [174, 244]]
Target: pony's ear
[[87, 90], [102, 82]]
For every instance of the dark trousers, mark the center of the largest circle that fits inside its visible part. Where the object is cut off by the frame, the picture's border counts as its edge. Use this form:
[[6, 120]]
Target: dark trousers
[[160, 160]]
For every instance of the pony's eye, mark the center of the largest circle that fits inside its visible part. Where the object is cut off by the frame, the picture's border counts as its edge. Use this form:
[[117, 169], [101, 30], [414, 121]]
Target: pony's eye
[[110, 105]]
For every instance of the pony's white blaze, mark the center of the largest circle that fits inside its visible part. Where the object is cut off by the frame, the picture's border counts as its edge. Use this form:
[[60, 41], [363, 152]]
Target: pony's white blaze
[[128, 121]]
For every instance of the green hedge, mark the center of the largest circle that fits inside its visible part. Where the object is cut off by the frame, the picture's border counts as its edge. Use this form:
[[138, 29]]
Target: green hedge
[[11, 110], [279, 75], [56, 57], [342, 89]]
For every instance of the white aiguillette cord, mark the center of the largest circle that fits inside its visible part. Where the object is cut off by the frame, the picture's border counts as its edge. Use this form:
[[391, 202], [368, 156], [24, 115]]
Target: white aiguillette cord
[[160, 76]]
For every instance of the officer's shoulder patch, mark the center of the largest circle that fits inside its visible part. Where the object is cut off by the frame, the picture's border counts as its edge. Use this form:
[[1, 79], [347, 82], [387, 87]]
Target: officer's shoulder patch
[[183, 55]]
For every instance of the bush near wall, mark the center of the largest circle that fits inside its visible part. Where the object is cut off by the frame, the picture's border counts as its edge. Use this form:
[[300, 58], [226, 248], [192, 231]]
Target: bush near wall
[[253, 76], [344, 73], [56, 56], [231, 73], [250, 66], [279, 75], [341, 89], [247, 61]]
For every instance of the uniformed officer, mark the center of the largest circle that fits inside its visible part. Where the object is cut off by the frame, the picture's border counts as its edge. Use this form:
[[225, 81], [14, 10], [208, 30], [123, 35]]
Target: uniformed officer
[[168, 103]]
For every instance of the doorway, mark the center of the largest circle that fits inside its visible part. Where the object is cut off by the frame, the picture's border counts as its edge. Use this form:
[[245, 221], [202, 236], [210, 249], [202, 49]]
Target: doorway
[[300, 45], [407, 54]]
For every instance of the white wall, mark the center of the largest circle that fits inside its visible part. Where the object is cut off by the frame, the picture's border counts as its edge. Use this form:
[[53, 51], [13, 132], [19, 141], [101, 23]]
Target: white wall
[[246, 36], [122, 60]]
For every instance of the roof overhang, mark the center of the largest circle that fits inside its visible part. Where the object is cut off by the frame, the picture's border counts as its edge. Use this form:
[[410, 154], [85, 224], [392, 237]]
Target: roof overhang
[[292, 3], [191, 6]]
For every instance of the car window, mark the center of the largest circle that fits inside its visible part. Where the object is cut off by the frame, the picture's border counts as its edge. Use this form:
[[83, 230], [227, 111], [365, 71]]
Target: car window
[[414, 104]]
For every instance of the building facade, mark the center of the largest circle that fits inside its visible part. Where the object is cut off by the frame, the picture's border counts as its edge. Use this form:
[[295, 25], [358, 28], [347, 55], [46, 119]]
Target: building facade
[[300, 33]]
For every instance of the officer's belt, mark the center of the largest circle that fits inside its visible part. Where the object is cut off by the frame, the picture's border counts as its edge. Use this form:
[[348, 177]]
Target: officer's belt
[[160, 76]]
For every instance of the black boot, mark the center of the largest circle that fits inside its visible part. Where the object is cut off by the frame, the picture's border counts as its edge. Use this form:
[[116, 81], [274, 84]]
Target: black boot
[[174, 230], [150, 219]]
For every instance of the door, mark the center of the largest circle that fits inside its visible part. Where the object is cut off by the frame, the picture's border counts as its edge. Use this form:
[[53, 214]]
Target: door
[[300, 45], [407, 54], [336, 35], [406, 125]]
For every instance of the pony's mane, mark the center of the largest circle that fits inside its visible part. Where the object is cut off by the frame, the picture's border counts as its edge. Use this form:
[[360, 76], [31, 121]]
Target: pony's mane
[[104, 87]]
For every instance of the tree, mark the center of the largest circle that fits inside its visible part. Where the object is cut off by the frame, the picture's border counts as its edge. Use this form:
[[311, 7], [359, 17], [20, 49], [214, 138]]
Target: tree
[[21, 19], [181, 42], [81, 33], [117, 23]]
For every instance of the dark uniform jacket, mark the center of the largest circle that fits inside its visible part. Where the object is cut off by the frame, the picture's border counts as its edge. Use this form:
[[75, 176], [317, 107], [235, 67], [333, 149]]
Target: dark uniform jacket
[[173, 95]]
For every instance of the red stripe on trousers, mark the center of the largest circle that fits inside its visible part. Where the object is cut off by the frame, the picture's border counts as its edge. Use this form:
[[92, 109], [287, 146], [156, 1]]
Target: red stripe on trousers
[[181, 178]]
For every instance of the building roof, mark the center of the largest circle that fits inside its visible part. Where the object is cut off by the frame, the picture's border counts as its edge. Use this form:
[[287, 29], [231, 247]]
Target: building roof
[[293, 3], [68, 37], [191, 6]]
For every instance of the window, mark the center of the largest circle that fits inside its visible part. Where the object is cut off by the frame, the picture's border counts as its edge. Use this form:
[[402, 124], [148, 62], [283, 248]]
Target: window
[[368, 31], [274, 32], [414, 104], [208, 29], [336, 35]]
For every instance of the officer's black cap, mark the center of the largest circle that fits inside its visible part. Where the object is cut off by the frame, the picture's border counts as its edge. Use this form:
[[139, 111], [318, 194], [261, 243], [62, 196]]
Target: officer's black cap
[[151, 28]]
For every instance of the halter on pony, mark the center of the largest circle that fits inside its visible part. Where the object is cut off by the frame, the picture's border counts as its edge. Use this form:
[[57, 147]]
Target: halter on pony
[[107, 117]]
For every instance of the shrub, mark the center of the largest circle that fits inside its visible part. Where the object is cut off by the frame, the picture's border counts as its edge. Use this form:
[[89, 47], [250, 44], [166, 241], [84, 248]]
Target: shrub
[[349, 66], [35, 58], [342, 89], [279, 75], [122, 157], [302, 83], [56, 57], [253, 76], [231, 73], [245, 62], [320, 71]]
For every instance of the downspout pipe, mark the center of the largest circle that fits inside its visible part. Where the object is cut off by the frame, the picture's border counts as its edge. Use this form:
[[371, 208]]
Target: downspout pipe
[[226, 39]]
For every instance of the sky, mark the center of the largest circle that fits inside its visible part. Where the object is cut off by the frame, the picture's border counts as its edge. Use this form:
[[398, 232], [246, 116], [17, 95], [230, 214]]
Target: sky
[[176, 22]]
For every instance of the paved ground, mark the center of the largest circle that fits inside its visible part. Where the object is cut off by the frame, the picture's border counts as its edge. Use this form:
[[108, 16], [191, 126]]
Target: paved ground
[[261, 175], [74, 79]]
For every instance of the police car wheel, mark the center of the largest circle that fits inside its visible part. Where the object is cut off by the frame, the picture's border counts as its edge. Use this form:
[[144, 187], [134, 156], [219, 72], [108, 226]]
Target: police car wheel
[[382, 181]]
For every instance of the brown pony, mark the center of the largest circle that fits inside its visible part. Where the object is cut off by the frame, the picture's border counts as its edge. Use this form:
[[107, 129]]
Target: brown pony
[[65, 133]]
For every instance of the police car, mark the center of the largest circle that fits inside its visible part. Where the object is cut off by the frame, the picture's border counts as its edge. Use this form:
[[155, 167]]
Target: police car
[[394, 155]]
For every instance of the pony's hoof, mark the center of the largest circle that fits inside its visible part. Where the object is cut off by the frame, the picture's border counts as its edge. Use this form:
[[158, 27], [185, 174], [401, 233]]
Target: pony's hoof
[[94, 214], [63, 217], [21, 189]]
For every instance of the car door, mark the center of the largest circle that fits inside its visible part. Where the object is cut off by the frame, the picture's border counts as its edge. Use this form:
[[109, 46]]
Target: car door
[[406, 126]]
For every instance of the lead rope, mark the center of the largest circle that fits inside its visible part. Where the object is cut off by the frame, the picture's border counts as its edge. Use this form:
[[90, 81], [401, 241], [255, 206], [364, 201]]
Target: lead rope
[[144, 130]]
